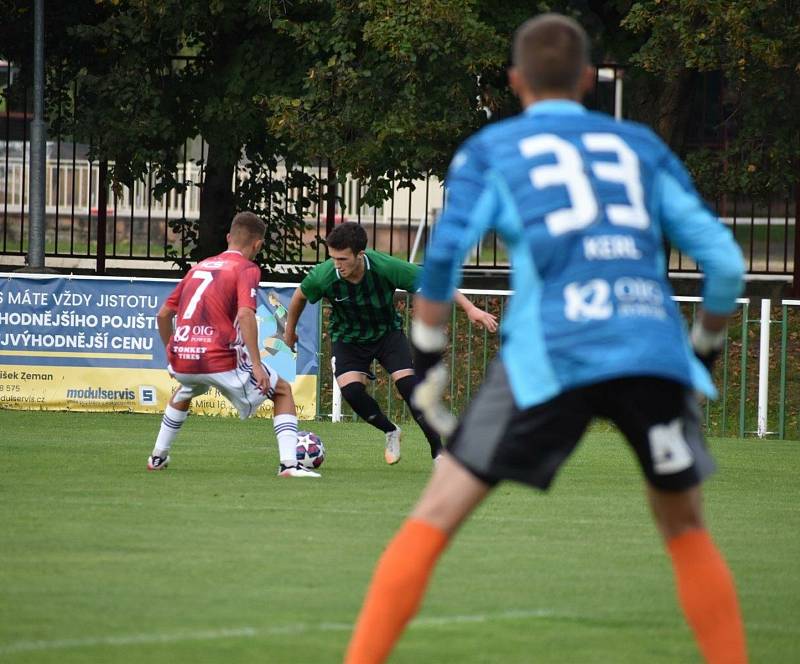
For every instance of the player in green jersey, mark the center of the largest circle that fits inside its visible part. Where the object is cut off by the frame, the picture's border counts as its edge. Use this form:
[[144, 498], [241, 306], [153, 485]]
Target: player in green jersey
[[360, 283]]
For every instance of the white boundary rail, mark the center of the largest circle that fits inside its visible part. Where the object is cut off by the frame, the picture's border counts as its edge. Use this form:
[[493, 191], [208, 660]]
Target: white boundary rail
[[336, 406]]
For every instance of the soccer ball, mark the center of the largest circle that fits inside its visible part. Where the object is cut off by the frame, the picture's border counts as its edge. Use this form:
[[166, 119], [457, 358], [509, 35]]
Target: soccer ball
[[310, 450]]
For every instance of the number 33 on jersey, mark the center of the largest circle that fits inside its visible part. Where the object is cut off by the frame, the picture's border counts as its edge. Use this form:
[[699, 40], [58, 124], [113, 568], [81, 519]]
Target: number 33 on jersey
[[583, 204]]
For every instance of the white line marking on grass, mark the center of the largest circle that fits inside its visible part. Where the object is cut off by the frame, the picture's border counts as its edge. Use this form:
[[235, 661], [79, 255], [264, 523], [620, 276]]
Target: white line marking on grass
[[252, 632], [398, 513], [432, 622], [130, 639]]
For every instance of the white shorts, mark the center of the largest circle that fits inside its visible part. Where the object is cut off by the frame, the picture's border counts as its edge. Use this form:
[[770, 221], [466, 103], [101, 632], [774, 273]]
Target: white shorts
[[237, 385]]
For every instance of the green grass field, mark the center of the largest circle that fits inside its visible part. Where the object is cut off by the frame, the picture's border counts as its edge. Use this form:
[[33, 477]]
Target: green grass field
[[218, 560]]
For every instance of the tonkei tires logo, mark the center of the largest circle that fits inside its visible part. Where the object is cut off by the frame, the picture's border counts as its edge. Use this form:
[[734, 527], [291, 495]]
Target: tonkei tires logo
[[147, 395]]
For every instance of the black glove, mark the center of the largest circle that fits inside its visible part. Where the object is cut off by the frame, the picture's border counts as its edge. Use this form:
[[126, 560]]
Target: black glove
[[707, 345], [424, 361], [708, 359], [433, 377]]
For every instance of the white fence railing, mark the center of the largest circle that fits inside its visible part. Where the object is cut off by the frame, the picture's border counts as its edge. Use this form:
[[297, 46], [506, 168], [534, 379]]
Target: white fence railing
[[73, 188], [765, 407]]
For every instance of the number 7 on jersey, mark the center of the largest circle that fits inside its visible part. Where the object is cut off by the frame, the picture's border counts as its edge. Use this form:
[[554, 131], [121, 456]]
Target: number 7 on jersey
[[207, 278]]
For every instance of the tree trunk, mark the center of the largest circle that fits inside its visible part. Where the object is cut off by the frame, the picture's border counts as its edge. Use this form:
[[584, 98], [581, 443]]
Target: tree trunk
[[674, 105], [331, 190], [216, 202], [664, 105]]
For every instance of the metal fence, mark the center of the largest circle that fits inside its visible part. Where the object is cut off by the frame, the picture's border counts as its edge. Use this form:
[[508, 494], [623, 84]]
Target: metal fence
[[138, 234], [138, 222], [758, 374], [765, 230]]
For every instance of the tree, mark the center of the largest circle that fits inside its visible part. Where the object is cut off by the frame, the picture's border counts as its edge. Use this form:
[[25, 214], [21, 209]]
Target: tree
[[391, 90], [385, 90], [753, 46], [138, 103]]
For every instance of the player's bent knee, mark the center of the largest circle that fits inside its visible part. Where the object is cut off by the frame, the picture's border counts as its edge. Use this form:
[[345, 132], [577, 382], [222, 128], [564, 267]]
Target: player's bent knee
[[351, 378], [451, 495], [677, 512], [402, 373], [351, 391], [179, 404], [282, 388]]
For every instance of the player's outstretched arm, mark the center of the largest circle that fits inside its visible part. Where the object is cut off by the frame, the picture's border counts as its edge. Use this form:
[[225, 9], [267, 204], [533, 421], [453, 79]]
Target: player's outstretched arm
[[164, 319], [249, 329], [691, 227], [696, 232], [476, 315], [296, 306]]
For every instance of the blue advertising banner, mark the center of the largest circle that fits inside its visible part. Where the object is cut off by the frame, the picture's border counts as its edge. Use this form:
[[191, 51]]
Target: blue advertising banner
[[92, 344]]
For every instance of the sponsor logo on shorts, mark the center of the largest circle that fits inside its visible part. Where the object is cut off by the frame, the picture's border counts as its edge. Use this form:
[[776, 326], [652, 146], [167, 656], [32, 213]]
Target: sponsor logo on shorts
[[669, 449]]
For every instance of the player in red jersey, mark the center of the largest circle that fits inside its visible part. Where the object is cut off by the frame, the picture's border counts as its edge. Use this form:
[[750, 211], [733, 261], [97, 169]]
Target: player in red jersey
[[214, 338]]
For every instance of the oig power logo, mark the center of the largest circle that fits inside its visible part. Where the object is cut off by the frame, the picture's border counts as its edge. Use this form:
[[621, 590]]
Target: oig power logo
[[183, 332], [640, 291], [595, 299]]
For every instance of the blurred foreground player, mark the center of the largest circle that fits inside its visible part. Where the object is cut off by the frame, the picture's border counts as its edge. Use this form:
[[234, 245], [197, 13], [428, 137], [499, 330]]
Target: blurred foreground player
[[215, 344], [582, 202]]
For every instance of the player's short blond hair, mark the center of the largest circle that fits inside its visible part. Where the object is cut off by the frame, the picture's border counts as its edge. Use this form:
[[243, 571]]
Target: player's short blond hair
[[551, 53], [248, 226]]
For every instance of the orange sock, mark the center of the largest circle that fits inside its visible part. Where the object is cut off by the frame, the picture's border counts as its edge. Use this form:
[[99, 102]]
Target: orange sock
[[708, 597], [396, 591]]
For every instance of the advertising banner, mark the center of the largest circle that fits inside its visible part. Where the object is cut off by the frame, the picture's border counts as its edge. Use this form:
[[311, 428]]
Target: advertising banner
[[92, 344]]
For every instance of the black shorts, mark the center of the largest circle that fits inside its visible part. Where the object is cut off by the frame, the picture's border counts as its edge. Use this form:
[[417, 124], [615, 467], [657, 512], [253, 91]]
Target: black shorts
[[660, 418], [392, 352]]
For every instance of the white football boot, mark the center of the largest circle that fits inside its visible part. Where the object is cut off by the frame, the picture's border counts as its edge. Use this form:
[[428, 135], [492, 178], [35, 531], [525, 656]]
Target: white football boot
[[391, 450], [296, 471], [157, 462]]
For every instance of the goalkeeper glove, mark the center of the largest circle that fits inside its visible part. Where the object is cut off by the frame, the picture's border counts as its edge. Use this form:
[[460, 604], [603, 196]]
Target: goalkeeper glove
[[707, 345], [428, 343]]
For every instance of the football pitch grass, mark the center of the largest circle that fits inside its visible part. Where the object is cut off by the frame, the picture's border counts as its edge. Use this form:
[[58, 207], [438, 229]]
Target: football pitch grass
[[218, 560]]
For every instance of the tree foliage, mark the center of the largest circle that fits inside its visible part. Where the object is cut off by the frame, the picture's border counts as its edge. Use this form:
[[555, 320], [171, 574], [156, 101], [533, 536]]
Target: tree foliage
[[385, 90], [392, 86], [755, 46], [145, 76]]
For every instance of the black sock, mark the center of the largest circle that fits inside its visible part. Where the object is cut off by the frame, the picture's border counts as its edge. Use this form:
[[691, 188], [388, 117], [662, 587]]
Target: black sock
[[366, 407], [405, 386]]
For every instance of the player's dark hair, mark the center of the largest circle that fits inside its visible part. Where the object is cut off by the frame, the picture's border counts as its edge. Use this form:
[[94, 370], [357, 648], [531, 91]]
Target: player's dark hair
[[551, 52], [347, 235], [248, 225]]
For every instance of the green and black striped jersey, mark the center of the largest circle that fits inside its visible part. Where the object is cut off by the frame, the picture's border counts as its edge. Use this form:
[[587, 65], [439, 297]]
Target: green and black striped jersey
[[362, 312]]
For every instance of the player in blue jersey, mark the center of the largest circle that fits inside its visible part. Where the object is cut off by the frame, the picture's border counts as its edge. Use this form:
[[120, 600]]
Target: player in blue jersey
[[583, 203]]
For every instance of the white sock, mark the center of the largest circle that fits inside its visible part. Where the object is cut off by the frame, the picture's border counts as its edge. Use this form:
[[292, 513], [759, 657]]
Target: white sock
[[286, 431], [170, 426]]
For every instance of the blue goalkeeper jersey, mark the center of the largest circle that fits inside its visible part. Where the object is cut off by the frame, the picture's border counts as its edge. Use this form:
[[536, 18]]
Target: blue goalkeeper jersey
[[583, 203]]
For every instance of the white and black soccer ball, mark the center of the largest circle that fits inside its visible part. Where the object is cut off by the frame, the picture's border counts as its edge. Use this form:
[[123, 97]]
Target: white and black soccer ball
[[310, 450]]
